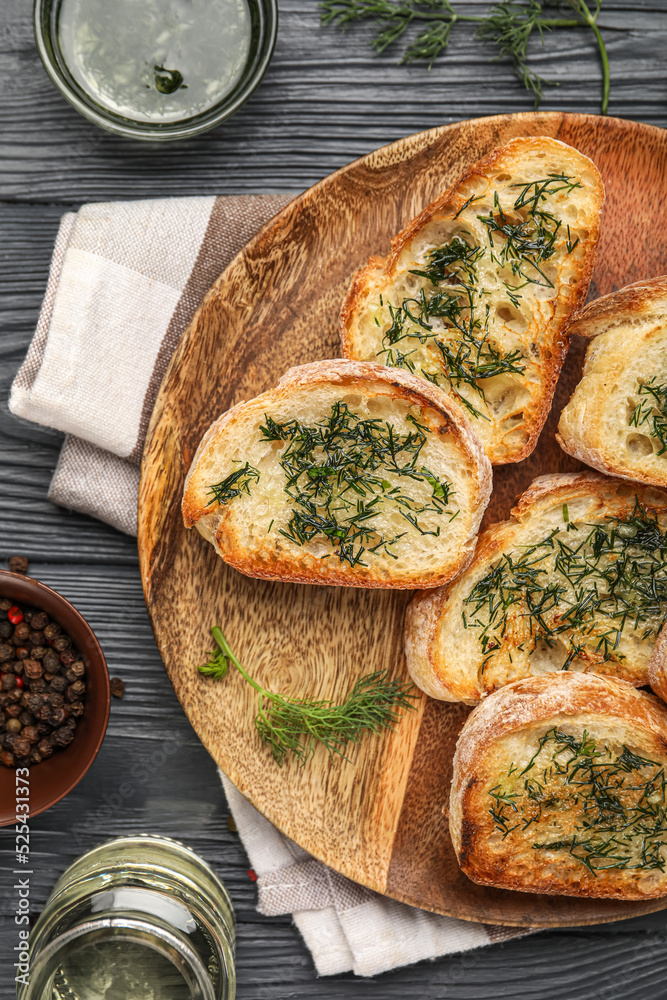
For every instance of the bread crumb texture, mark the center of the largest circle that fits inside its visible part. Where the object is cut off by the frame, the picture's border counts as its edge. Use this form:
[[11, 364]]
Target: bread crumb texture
[[559, 787], [477, 291], [575, 581], [616, 420], [346, 473]]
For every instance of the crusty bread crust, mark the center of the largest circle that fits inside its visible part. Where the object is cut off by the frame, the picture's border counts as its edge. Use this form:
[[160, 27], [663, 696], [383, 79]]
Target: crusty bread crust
[[510, 427], [270, 556], [447, 660], [628, 333], [515, 717]]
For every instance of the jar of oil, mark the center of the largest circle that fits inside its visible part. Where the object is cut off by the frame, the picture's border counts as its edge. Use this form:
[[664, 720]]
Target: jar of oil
[[137, 918]]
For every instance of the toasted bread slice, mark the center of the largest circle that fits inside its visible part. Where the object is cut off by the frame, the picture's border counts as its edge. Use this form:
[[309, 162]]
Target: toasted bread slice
[[616, 420], [477, 290], [558, 787], [575, 580], [346, 473]]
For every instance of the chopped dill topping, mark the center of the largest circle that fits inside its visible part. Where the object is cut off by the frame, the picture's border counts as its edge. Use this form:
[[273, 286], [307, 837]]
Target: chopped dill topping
[[234, 485], [444, 330], [585, 584], [616, 801], [652, 410], [336, 477]]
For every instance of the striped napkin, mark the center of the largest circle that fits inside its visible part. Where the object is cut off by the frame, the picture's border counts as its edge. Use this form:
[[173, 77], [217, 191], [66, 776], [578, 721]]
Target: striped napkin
[[125, 281]]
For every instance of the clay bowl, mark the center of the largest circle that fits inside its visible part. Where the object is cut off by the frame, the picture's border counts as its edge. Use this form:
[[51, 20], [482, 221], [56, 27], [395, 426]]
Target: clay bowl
[[51, 780]]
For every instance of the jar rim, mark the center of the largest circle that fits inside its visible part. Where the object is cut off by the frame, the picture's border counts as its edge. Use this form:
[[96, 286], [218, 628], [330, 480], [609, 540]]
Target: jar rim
[[44, 21]]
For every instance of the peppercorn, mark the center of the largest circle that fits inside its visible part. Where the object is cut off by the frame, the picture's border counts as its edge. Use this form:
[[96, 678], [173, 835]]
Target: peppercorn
[[13, 711], [39, 620], [5, 604], [35, 757], [78, 668], [51, 661], [21, 747], [38, 684], [30, 734], [14, 695], [33, 669], [45, 748], [43, 712], [39, 652], [62, 642], [19, 682], [56, 700], [7, 682], [6, 652], [22, 631], [5, 629], [25, 718], [36, 638], [51, 630], [18, 564], [59, 683], [77, 689], [15, 614], [7, 758], [57, 716], [64, 736], [67, 657], [22, 653], [13, 726], [43, 727], [76, 709]]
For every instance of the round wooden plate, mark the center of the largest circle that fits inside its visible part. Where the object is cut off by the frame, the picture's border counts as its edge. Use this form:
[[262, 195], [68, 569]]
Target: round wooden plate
[[377, 818]]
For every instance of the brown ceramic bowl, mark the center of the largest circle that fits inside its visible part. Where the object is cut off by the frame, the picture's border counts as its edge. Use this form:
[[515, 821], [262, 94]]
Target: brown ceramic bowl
[[51, 780]]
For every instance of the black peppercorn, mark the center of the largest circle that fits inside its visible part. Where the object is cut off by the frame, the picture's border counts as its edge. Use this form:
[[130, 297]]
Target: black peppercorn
[[45, 748], [67, 657], [18, 564], [51, 630], [7, 758], [22, 631], [6, 652], [59, 683], [21, 747], [57, 716], [35, 757], [39, 620], [62, 642], [64, 736], [25, 718], [30, 734], [33, 669], [5, 629], [78, 668], [8, 682], [56, 700], [38, 684], [36, 638], [76, 709], [22, 652], [51, 661], [39, 652]]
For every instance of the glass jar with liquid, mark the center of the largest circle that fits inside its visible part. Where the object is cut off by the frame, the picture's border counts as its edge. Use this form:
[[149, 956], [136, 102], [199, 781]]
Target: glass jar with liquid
[[137, 918], [156, 69]]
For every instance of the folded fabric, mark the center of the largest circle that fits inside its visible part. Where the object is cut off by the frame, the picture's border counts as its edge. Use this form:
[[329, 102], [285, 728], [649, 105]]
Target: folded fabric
[[125, 281]]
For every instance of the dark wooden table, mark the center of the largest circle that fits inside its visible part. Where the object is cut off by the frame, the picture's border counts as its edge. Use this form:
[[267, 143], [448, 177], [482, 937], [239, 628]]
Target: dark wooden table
[[325, 100]]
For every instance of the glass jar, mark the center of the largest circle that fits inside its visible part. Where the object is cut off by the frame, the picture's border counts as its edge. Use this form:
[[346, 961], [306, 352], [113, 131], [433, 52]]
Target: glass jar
[[140, 917], [113, 54]]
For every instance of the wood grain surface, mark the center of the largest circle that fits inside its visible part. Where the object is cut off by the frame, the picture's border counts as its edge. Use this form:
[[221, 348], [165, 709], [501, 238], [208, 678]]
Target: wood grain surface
[[377, 818]]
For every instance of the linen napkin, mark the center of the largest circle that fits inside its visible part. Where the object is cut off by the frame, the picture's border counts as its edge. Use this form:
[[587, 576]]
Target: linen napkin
[[125, 280]]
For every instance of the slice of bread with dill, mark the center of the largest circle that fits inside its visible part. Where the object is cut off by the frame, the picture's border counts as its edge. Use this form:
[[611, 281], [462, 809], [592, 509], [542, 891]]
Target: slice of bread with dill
[[559, 787], [616, 420], [477, 290], [576, 580], [346, 473]]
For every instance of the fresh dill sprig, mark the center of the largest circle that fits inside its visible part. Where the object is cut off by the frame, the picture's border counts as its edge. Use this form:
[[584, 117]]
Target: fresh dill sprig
[[617, 802], [294, 726], [652, 410], [234, 485], [508, 26]]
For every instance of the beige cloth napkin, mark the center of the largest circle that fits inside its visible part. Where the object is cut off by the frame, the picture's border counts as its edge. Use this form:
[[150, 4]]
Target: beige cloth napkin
[[125, 280]]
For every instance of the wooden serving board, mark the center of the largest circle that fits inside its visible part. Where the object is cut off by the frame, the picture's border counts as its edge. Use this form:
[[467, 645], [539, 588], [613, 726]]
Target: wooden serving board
[[377, 819]]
